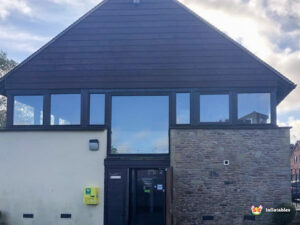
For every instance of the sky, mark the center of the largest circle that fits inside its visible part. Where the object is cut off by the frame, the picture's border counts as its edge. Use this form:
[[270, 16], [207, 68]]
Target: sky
[[268, 28]]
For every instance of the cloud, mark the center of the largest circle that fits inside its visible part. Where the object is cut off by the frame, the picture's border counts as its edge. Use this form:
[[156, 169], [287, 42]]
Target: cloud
[[295, 131], [270, 29], [8, 6], [75, 3], [30, 42]]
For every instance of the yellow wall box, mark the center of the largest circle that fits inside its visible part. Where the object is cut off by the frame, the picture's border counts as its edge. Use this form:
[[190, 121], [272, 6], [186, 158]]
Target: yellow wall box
[[91, 195]]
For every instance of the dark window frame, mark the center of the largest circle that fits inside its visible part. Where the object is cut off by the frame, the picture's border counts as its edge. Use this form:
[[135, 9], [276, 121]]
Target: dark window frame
[[174, 108], [12, 110], [80, 110], [137, 93], [230, 113], [87, 108], [194, 107], [273, 114]]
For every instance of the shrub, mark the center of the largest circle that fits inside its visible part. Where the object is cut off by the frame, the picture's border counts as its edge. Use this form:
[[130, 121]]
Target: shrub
[[283, 218]]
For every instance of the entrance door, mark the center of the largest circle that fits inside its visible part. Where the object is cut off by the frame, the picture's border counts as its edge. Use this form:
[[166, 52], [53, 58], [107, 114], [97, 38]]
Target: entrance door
[[148, 197]]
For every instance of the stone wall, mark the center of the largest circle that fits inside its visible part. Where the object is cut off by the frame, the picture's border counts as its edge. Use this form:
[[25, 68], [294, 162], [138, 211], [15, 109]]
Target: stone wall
[[259, 173]]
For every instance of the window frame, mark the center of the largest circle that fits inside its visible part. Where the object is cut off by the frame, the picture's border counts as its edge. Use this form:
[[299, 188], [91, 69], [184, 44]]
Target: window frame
[[138, 93], [272, 108], [80, 110], [175, 107], [12, 111], [87, 118], [194, 107], [230, 119]]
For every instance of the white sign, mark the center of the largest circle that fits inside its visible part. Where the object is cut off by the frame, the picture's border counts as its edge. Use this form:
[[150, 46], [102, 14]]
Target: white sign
[[159, 187]]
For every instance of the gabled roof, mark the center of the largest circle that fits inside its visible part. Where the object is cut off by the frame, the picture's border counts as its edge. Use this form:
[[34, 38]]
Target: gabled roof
[[153, 44]]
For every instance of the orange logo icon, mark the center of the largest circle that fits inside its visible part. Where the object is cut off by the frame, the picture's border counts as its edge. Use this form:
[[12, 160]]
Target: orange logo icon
[[256, 211]]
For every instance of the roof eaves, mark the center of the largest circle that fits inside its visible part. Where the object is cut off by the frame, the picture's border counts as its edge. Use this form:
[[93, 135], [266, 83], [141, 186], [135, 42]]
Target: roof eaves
[[51, 41]]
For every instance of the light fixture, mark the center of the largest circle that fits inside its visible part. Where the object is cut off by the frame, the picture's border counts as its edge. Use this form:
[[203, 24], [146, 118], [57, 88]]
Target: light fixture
[[94, 144]]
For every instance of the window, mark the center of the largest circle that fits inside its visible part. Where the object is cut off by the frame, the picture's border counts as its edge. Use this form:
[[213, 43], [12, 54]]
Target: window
[[65, 109], [140, 125], [182, 108], [214, 108], [28, 110], [254, 108], [97, 109]]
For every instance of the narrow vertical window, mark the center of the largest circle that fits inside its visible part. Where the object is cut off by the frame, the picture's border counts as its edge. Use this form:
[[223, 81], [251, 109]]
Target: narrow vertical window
[[182, 108], [28, 110], [97, 109], [65, 109]]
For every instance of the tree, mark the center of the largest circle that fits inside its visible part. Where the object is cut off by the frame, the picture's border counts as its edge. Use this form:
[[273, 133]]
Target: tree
[[5, 66]]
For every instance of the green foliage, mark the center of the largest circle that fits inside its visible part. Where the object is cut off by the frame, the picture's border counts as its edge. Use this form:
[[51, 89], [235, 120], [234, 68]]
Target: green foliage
[[284, 218], [6, 64]]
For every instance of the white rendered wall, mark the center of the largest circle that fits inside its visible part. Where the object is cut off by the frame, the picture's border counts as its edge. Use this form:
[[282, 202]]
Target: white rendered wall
[[44, 173]]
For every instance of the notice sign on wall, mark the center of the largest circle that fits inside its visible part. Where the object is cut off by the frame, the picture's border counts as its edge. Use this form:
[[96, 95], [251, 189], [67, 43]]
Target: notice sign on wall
[[115, 177]]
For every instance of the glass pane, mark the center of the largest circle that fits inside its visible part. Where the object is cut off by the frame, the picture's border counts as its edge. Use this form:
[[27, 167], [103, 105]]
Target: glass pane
[[140, 124], [183, 108], [254, 108], [3, 106], [97, 109], [65, 109], [28, 110], [214, 108]]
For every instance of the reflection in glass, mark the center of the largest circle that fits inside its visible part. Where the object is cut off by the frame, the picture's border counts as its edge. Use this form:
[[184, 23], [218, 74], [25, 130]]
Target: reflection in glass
[[65, 109], [182, 108], [28, 110], [254, 108], [214, 108], [97, 109], [140, 124]]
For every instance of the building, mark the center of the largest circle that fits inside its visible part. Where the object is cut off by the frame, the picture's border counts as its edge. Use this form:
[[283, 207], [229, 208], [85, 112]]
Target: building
[[255, 117], [295, 162], [143, 100]]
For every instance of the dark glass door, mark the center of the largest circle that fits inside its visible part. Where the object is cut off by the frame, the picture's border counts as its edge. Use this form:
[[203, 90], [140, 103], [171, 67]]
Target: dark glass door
[[148, 197]]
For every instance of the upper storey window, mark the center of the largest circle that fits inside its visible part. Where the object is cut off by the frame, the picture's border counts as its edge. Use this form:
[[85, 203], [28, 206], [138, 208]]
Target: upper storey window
[[97, 109], [140, 125], [182, 108], [65, 109], [214, 108], [254, 108], [28, 110]]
